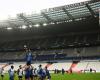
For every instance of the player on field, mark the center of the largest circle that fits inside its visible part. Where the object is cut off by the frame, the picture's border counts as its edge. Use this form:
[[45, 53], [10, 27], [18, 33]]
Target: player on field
[[20, 73], [35, 74], [31, 72], [29, 57], [41, 73], [63, 71], [27, 72], [48, 76], [2, 73], [11, 73]]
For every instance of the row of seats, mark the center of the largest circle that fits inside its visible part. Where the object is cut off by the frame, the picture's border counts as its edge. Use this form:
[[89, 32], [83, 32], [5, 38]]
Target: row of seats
[[52, 42], [82, 65], [53, 54], [87, 65]]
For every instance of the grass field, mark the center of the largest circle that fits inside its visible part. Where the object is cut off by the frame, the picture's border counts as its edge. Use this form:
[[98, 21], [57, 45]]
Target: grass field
[[85, 76]]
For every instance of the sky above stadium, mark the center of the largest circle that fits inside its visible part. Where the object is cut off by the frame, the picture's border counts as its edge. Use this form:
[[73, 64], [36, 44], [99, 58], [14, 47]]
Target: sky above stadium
[[9, 8]]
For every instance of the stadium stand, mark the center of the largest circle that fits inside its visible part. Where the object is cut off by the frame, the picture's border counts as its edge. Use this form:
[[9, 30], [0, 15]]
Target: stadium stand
[[59, 66], [69, 43], [61, 47], [82, 66]]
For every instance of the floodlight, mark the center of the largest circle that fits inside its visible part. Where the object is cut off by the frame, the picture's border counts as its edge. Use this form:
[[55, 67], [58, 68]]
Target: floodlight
[[45, 24], [24, 27], [30, 26], [52, 23], [37, 25], [9, 28]]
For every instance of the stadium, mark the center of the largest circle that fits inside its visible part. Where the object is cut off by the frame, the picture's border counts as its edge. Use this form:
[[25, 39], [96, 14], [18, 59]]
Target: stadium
[[60, 42]]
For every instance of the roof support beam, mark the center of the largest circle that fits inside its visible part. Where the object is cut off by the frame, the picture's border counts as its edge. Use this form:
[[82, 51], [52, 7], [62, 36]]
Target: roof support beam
[[25, 19], [47, 17], [91, 11], [68, 14]]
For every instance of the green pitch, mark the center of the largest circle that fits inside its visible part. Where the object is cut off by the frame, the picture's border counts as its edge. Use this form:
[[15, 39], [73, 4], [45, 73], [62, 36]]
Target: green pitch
[[85, 76]]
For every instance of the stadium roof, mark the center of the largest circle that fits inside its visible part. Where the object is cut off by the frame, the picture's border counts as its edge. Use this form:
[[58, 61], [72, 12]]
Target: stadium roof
[[54, 15]]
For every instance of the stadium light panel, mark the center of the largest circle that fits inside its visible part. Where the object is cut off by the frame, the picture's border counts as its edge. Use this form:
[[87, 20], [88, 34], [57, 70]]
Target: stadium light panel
[[30, 26], [24, 27], [52, 23], [57, 22], [9, 28], [45, 24], [37, 25]]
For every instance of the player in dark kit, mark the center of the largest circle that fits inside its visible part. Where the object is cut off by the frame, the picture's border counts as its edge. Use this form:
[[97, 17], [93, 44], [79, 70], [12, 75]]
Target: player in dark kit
[[27, 72], [48, 76], [41, 73], [31, 72], [20, 72], [2, 73], [63, 71]]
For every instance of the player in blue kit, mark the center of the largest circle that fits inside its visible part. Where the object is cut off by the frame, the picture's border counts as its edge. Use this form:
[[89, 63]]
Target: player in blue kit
[[48, 76], [11, 73], [31, 72], [41, 73], [27, 72], [28, 66], [29, 57]]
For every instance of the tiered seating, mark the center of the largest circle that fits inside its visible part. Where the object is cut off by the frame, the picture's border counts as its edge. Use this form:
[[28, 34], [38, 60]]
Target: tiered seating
[[92, 38], [69, 52], [36, 65], [86, 65], [53, 54], [94, 66], [90, 51], [45, 57], [59, 66], [53, 42], [81, 66], [12, 55], [46, 48]]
